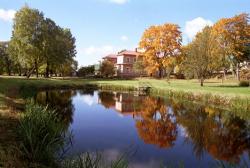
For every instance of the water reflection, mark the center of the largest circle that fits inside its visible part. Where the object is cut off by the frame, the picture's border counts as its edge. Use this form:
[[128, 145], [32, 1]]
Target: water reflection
[[156, 124], [61, 101], [224, 135]]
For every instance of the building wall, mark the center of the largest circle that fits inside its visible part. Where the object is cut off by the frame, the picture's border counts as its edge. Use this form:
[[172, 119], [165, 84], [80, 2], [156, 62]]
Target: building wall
[[125, 65], [120, 59]]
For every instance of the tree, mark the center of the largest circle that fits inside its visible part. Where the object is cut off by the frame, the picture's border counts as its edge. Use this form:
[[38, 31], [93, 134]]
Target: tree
[[50, 44], [86, 71], [139, 66], [107, 69], [27, 38], [160, 44], [199, 57], [39, 44], [233, 34], [66, 49], [5, 61]]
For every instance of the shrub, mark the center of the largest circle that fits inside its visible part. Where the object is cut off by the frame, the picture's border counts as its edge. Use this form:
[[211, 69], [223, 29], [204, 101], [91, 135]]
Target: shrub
[[42, 135], [245, 74], [244, 83]]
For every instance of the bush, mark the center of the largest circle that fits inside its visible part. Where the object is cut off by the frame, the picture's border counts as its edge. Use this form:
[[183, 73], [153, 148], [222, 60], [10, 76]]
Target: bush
[[244, 83], [245, 74], [42, 135]]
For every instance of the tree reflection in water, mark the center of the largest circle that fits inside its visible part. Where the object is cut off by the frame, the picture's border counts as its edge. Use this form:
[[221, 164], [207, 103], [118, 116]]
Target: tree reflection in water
[[156, 124], [61, 101], [107, 99], [220, 133]]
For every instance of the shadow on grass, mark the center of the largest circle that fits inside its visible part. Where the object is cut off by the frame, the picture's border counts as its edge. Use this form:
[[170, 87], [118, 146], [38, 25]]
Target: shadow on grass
[[8, 139], [226, 86]]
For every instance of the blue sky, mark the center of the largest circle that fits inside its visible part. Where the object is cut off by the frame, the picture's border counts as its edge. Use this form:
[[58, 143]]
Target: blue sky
[[105, 26]]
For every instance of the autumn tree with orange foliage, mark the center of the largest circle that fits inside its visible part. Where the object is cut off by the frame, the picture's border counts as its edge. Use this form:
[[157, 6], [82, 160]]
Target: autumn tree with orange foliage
[[161, 45], [233, 35]]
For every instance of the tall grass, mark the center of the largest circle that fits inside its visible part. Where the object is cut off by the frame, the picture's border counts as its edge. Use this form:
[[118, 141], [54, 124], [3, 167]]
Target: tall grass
[[42, 135], [94, 160], [238, 104]]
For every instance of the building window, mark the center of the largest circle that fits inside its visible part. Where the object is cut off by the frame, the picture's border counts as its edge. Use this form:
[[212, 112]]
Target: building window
[[134, 59], [127, 70], [127, 59]]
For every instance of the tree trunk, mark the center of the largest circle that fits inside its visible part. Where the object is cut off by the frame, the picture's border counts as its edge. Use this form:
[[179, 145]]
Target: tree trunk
[[36, 67], [30, 72], [225, 74], [8, 64], [19, 70], [160, 73], [9, 70], [238, 71], [202, 81], [47, 70]]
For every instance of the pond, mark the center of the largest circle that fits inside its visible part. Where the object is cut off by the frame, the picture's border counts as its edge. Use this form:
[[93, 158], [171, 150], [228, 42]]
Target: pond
[[150, 130]]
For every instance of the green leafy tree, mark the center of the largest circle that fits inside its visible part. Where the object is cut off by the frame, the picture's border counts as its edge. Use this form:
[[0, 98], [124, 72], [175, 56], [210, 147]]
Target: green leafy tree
[[5, 61], [199, 55], [50, 36], [39, 44], [86, 71], [27, 38], [139, 66], [107, 69]]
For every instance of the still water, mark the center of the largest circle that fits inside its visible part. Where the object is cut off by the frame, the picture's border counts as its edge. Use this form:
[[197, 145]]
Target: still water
[[151, 131]]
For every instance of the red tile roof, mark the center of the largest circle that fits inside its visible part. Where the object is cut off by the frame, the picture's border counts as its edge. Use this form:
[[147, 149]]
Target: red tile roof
[[128, 52], [111, 56]]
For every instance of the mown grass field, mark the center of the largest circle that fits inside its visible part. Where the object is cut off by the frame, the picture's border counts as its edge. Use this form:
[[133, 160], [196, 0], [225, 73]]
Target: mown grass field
[[229, 88]]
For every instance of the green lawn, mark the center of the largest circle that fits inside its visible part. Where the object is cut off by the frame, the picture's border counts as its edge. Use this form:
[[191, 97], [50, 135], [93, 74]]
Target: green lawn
[[229, 88]]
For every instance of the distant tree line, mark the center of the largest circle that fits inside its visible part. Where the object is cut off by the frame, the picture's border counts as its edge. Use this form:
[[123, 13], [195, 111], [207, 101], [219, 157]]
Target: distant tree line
[[38, 46], [86, 71]]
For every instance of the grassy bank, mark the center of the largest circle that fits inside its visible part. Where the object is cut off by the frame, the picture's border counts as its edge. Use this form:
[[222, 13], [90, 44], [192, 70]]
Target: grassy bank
[[228, 89], [227, 94], [214, 92]]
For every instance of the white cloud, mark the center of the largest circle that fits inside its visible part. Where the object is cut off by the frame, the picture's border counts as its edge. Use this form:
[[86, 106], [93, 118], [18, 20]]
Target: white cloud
[[88, 100], [124, 38], [120, 2], [92, 54], [7, 15], [194, 26]]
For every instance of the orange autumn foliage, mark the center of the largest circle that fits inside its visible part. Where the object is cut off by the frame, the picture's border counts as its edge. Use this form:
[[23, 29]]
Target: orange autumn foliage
[[233, 34], [160, 44]]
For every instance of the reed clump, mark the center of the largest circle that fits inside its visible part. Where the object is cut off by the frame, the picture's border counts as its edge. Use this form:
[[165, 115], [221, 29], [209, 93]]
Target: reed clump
[[41, 135]]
